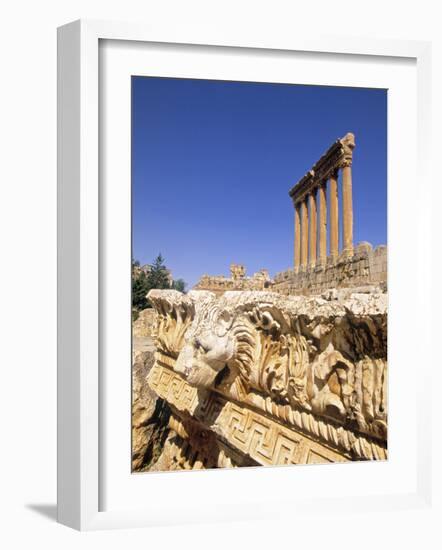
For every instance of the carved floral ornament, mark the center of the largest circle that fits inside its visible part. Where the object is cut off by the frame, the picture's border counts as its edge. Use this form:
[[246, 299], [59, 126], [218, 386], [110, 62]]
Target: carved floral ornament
[[307, 355]]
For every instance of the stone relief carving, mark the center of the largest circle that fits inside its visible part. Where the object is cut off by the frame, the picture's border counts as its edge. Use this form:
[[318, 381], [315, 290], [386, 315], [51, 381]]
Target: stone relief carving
[[295, 355]]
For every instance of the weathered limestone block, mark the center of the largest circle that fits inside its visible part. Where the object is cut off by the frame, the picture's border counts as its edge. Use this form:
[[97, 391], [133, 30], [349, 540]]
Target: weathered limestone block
[[150, 414], [144, 325], [237, 271], [219, 284], [276, 379], [365, 267]]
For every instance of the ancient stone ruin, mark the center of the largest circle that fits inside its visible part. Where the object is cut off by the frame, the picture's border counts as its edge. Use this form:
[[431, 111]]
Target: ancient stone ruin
[[254, 378], [316, 268], [237, 281], [319, 264], [254, 371]]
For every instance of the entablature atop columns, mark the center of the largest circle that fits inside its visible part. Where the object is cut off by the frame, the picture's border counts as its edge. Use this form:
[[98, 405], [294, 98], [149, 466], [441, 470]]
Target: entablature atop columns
[[337, 156]]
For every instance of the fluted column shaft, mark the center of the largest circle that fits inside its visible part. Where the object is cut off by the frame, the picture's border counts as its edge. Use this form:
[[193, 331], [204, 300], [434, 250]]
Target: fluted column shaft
[[312, 229], [297, 237], [334, 216], [322, 224], [347, 207], [304, 234]]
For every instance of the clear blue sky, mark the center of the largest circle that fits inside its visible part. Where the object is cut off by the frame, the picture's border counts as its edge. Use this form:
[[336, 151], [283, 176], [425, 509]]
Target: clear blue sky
[[213, 161]]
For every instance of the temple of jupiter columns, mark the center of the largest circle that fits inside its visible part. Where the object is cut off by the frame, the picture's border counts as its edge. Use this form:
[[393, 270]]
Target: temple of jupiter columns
[[320, 262], [313, 188], [325, 256]]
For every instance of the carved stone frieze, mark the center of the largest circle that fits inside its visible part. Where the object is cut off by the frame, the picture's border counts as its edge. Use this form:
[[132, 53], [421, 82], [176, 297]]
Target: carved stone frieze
[[309, 367]]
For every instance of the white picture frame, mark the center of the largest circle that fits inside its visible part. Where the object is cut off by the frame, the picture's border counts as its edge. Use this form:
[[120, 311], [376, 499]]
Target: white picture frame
[[79, 271]]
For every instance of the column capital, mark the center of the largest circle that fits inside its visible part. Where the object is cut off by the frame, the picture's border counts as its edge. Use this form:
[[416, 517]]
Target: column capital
[[348, 144]]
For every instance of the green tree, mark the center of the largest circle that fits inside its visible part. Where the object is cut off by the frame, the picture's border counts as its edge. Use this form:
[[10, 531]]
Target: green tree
[[158, 276], [179, 284], [140, 287], [155, 276]]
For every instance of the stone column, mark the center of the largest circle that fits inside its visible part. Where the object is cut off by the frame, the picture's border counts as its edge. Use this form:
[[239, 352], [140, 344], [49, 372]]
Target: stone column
[[334, 216], [347, 207], [313, 229], [297, 237], [322, 224], [348, 144], [304, 234]]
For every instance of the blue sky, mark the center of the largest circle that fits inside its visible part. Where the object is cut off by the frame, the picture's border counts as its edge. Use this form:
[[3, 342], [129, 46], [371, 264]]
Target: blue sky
[[213, 161]]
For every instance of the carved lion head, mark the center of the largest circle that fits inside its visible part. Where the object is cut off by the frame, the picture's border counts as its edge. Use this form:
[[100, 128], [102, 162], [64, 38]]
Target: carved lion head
[[213, 345], [231, 340]]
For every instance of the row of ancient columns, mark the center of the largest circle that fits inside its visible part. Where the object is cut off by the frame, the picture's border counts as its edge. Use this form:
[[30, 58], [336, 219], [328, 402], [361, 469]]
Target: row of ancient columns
[[311, 213]]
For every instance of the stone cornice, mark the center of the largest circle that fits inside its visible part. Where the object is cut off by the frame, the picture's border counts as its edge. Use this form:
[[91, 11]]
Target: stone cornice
[[337, 156], [317, 365], [225, 416]]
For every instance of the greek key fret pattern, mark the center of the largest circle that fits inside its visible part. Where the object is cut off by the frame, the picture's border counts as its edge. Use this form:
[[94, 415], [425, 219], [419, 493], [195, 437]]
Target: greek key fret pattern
[[171, 387], [260, 438], [254, 435]]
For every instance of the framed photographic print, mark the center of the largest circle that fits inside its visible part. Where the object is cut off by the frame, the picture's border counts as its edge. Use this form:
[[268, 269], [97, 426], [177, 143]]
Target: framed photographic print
[[232, 220]]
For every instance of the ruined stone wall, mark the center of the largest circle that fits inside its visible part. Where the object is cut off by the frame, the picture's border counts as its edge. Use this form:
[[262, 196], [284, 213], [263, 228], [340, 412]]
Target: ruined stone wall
[[150, 414], [367, 267], [238, 281], [144, 325]]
